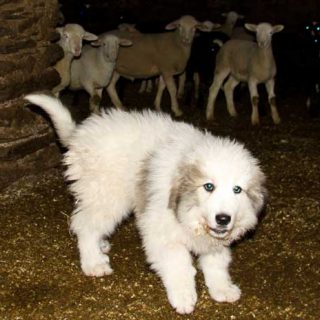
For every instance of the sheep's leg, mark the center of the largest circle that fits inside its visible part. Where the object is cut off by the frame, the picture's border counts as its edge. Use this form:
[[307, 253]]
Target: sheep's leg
[[111, 89], [272, 100], [171, 85], [95, 96], [228, 91], [196, 81], [95, 99], [213, 92], [254, 102], [149, 85], [161, 87], [182, 82], [143, 86]]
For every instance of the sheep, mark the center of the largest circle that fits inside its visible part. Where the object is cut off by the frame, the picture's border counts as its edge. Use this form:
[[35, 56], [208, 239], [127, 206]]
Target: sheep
[[249, 62], [235, 32], [164, 54], [71, 36], [146, 85], [201, 62], [93, 70], [241, 33], [231, 19], [204, 50]]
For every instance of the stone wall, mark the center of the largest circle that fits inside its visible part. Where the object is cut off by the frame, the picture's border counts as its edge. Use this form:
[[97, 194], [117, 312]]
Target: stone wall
[[26, 59]]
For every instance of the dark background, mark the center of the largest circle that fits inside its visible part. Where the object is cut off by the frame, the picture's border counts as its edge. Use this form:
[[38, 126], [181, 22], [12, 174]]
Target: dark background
[[103, 15]]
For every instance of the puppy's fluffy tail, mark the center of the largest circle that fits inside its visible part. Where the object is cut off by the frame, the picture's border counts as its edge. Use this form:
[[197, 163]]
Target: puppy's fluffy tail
[[58, 113]]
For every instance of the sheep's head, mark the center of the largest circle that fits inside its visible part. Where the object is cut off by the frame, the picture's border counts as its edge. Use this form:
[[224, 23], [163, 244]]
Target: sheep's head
[[232, 17], [264, 32], [187, 26], [110, 46], [71, 37]]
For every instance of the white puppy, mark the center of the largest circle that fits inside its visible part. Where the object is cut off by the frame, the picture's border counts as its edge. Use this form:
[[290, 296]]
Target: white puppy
[[191, 192]]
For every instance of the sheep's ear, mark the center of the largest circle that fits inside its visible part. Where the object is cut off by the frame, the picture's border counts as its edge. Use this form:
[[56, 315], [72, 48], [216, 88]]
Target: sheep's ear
[[240, 16], [172, 25], [125, 42], [90, 36], [224, 14], [251, 27], [277, 28], [96, 43]]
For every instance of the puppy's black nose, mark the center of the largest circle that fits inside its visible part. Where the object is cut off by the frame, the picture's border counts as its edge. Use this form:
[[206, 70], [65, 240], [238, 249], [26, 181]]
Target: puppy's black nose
[[223, 219]]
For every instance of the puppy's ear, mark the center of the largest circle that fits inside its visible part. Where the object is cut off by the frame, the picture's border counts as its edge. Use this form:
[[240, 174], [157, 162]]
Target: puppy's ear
[[258, 192], [184, 184]]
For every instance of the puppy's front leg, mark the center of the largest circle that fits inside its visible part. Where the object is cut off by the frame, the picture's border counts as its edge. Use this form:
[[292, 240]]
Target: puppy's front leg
[[174, 265], [215, 269]]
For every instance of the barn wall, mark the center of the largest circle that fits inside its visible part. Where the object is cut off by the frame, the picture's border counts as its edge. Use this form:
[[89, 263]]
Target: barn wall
[[26, 57]]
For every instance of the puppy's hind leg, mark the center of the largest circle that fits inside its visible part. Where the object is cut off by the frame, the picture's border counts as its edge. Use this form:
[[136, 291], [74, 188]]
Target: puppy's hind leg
[[92, 223], [91, 243]]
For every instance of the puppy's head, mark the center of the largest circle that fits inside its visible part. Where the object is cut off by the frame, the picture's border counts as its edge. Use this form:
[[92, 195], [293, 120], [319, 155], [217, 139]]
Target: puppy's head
[[218, 190]]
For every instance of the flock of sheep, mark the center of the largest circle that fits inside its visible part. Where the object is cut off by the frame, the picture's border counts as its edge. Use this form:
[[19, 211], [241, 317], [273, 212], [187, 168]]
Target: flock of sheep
[[126, 52]]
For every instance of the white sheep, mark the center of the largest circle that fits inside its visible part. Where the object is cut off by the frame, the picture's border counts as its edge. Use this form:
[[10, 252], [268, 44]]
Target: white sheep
[[246, 61], [71, 37], [198, 57], [93, 70], [164, 54]]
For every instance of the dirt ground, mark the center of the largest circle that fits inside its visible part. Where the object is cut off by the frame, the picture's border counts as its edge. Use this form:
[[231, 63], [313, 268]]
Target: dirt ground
[[277, 267]]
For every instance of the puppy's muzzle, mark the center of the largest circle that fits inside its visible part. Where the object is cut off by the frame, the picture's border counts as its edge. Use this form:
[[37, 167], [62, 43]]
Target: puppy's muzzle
[[223, 219]]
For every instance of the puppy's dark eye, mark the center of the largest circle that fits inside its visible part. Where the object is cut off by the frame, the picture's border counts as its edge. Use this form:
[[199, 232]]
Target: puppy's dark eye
[[209, 187], [237, 189]]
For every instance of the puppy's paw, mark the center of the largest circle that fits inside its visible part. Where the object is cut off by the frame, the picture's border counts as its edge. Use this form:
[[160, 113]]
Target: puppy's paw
[[183, 300], [98, 268], [229, 293]]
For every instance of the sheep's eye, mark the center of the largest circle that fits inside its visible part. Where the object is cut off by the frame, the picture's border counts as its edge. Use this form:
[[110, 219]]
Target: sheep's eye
[[209, 187], [237, 189]]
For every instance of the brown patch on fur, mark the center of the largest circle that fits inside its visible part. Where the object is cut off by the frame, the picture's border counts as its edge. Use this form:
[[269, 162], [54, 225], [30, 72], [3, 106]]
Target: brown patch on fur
[[184, 184]]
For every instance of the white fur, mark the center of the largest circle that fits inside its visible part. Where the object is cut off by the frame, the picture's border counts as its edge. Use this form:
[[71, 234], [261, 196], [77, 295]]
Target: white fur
[[121, 162]]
